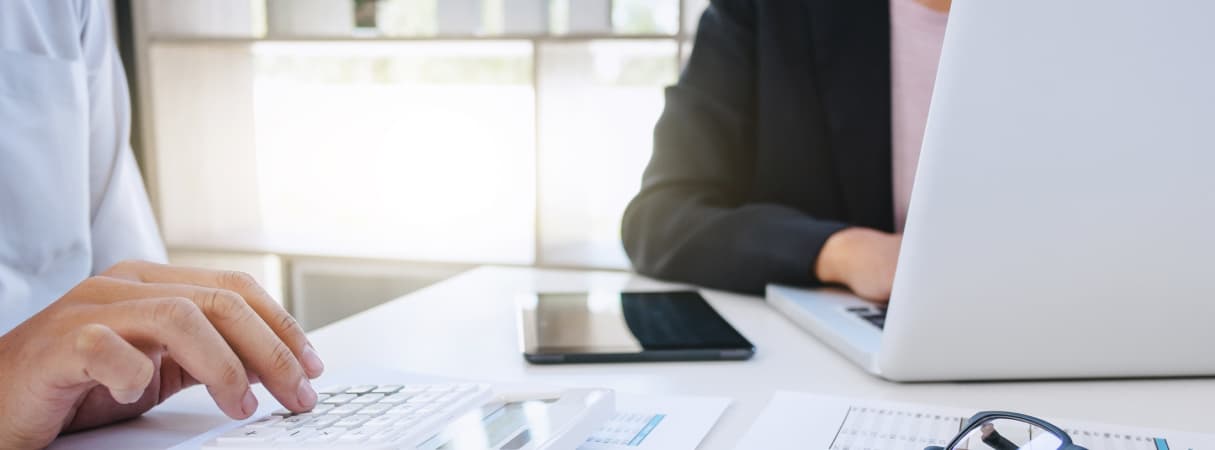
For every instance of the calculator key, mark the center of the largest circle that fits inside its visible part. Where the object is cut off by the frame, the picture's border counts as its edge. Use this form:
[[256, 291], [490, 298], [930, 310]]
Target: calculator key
[[363, 389], [323, 407], [381, 421], [375, 428], [333, 390], [440, 389], [345, 409], [383, 436], [340, 398], [423, 398], [354, 436], [398, 411], [293, 421], [387, 389], [263, 422], [248, 436], [396, 398], [411, 421], [404, 409], [352, 421], [296, 435], [325, 420], [309, 415], [326, 435], [368, 398], [376, 408], [283, 412]]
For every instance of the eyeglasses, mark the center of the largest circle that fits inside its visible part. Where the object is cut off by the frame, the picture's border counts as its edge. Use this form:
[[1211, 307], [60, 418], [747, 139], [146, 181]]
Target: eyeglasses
[[996, 430]]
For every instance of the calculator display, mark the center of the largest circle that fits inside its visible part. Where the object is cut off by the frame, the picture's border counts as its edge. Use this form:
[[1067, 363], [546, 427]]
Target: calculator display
[[508, 426]]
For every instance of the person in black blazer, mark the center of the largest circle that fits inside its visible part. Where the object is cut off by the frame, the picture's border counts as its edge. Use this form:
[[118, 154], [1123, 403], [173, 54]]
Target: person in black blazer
[[772, 159]]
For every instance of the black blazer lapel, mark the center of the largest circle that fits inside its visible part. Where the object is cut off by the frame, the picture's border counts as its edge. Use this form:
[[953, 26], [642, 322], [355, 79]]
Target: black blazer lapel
[[851, 42]]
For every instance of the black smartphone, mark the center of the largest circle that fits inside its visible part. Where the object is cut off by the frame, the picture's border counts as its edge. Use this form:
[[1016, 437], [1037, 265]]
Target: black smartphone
[[592, 327]]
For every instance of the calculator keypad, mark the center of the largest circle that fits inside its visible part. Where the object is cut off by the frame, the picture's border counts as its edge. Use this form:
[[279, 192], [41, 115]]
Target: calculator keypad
[[357, 415]]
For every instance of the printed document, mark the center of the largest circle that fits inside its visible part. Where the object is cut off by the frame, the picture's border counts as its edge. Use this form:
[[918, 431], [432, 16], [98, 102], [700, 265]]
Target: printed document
[[645, 422], [797, 421]]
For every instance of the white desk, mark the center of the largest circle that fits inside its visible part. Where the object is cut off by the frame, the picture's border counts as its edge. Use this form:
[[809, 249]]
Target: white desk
[[465, 327]]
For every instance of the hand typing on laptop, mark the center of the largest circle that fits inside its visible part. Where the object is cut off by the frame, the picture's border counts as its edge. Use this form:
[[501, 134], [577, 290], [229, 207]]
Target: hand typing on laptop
[[120, 343], [861, 259]]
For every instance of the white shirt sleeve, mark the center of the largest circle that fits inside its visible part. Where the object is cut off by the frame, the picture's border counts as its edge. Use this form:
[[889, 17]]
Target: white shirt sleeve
[[122, 224]]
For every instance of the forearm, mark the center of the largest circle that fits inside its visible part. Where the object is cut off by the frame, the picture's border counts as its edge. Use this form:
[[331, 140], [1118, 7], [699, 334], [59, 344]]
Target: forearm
[[739, 249]]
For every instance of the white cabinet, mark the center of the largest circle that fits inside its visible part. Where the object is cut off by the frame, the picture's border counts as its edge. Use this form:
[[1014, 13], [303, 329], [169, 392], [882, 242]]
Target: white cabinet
[[525, 17], [459, 17], [213, 18], [590, 16], [309, 17]]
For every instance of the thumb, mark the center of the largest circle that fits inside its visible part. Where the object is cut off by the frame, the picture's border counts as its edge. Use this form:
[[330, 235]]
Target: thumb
[[101, 355]]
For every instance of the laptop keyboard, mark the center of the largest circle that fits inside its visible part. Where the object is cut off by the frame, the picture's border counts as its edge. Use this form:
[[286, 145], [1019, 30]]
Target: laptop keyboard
[[875, 315]]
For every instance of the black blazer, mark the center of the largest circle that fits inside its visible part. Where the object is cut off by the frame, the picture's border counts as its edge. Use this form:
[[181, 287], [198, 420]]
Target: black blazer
[[776, 136]]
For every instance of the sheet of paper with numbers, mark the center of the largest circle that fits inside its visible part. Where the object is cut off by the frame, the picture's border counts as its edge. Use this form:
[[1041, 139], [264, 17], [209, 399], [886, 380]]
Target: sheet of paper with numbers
[[626, 429], [657, 423], [888, 428], [797, 421]]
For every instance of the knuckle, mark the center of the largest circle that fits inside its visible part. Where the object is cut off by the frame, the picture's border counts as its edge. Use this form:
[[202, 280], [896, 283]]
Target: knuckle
[[125, 266], [223, 304], [286, 324], [91, 282], [90, 338], [178, 311], [63, 312], [282, 360], [97, 282], [238, 280], [233, 375]]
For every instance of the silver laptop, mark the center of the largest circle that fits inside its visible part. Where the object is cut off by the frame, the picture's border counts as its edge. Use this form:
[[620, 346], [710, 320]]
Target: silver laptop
[[1062, 224]]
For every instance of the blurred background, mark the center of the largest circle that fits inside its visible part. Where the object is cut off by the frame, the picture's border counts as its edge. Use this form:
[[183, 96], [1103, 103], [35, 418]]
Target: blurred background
[[347, 152]]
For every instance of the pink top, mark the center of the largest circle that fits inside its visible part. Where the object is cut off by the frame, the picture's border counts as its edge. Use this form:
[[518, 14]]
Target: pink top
[[916, 35]]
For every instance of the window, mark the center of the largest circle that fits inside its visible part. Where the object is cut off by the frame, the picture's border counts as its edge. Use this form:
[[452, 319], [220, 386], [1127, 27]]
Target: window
[[470, 131], [599, 101]]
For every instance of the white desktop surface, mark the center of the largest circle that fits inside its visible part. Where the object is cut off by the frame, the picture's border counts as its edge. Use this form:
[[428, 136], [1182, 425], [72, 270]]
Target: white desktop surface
[[465, 327]]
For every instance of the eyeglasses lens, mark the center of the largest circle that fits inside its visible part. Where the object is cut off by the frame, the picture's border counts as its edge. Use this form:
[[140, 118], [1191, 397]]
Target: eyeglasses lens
[[1008, 434]]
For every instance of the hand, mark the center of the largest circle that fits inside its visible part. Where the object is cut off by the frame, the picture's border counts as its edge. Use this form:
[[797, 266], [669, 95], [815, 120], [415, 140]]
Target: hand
[[986, 430], [861, 259], [937, 5], [120, 343]]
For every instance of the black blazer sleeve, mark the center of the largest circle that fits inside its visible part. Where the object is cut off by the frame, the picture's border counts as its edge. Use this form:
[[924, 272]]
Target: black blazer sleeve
[[692, 221]]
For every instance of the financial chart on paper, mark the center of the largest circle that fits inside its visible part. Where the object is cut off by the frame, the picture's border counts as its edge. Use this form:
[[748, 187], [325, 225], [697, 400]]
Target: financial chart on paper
[[624, 430], [875, 428]]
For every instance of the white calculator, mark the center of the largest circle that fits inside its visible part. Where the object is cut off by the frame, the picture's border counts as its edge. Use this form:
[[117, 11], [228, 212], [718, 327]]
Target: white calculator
[[428, 417]]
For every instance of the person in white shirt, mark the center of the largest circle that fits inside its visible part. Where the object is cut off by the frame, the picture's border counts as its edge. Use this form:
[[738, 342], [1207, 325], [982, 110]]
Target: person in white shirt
[[94, 329]]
